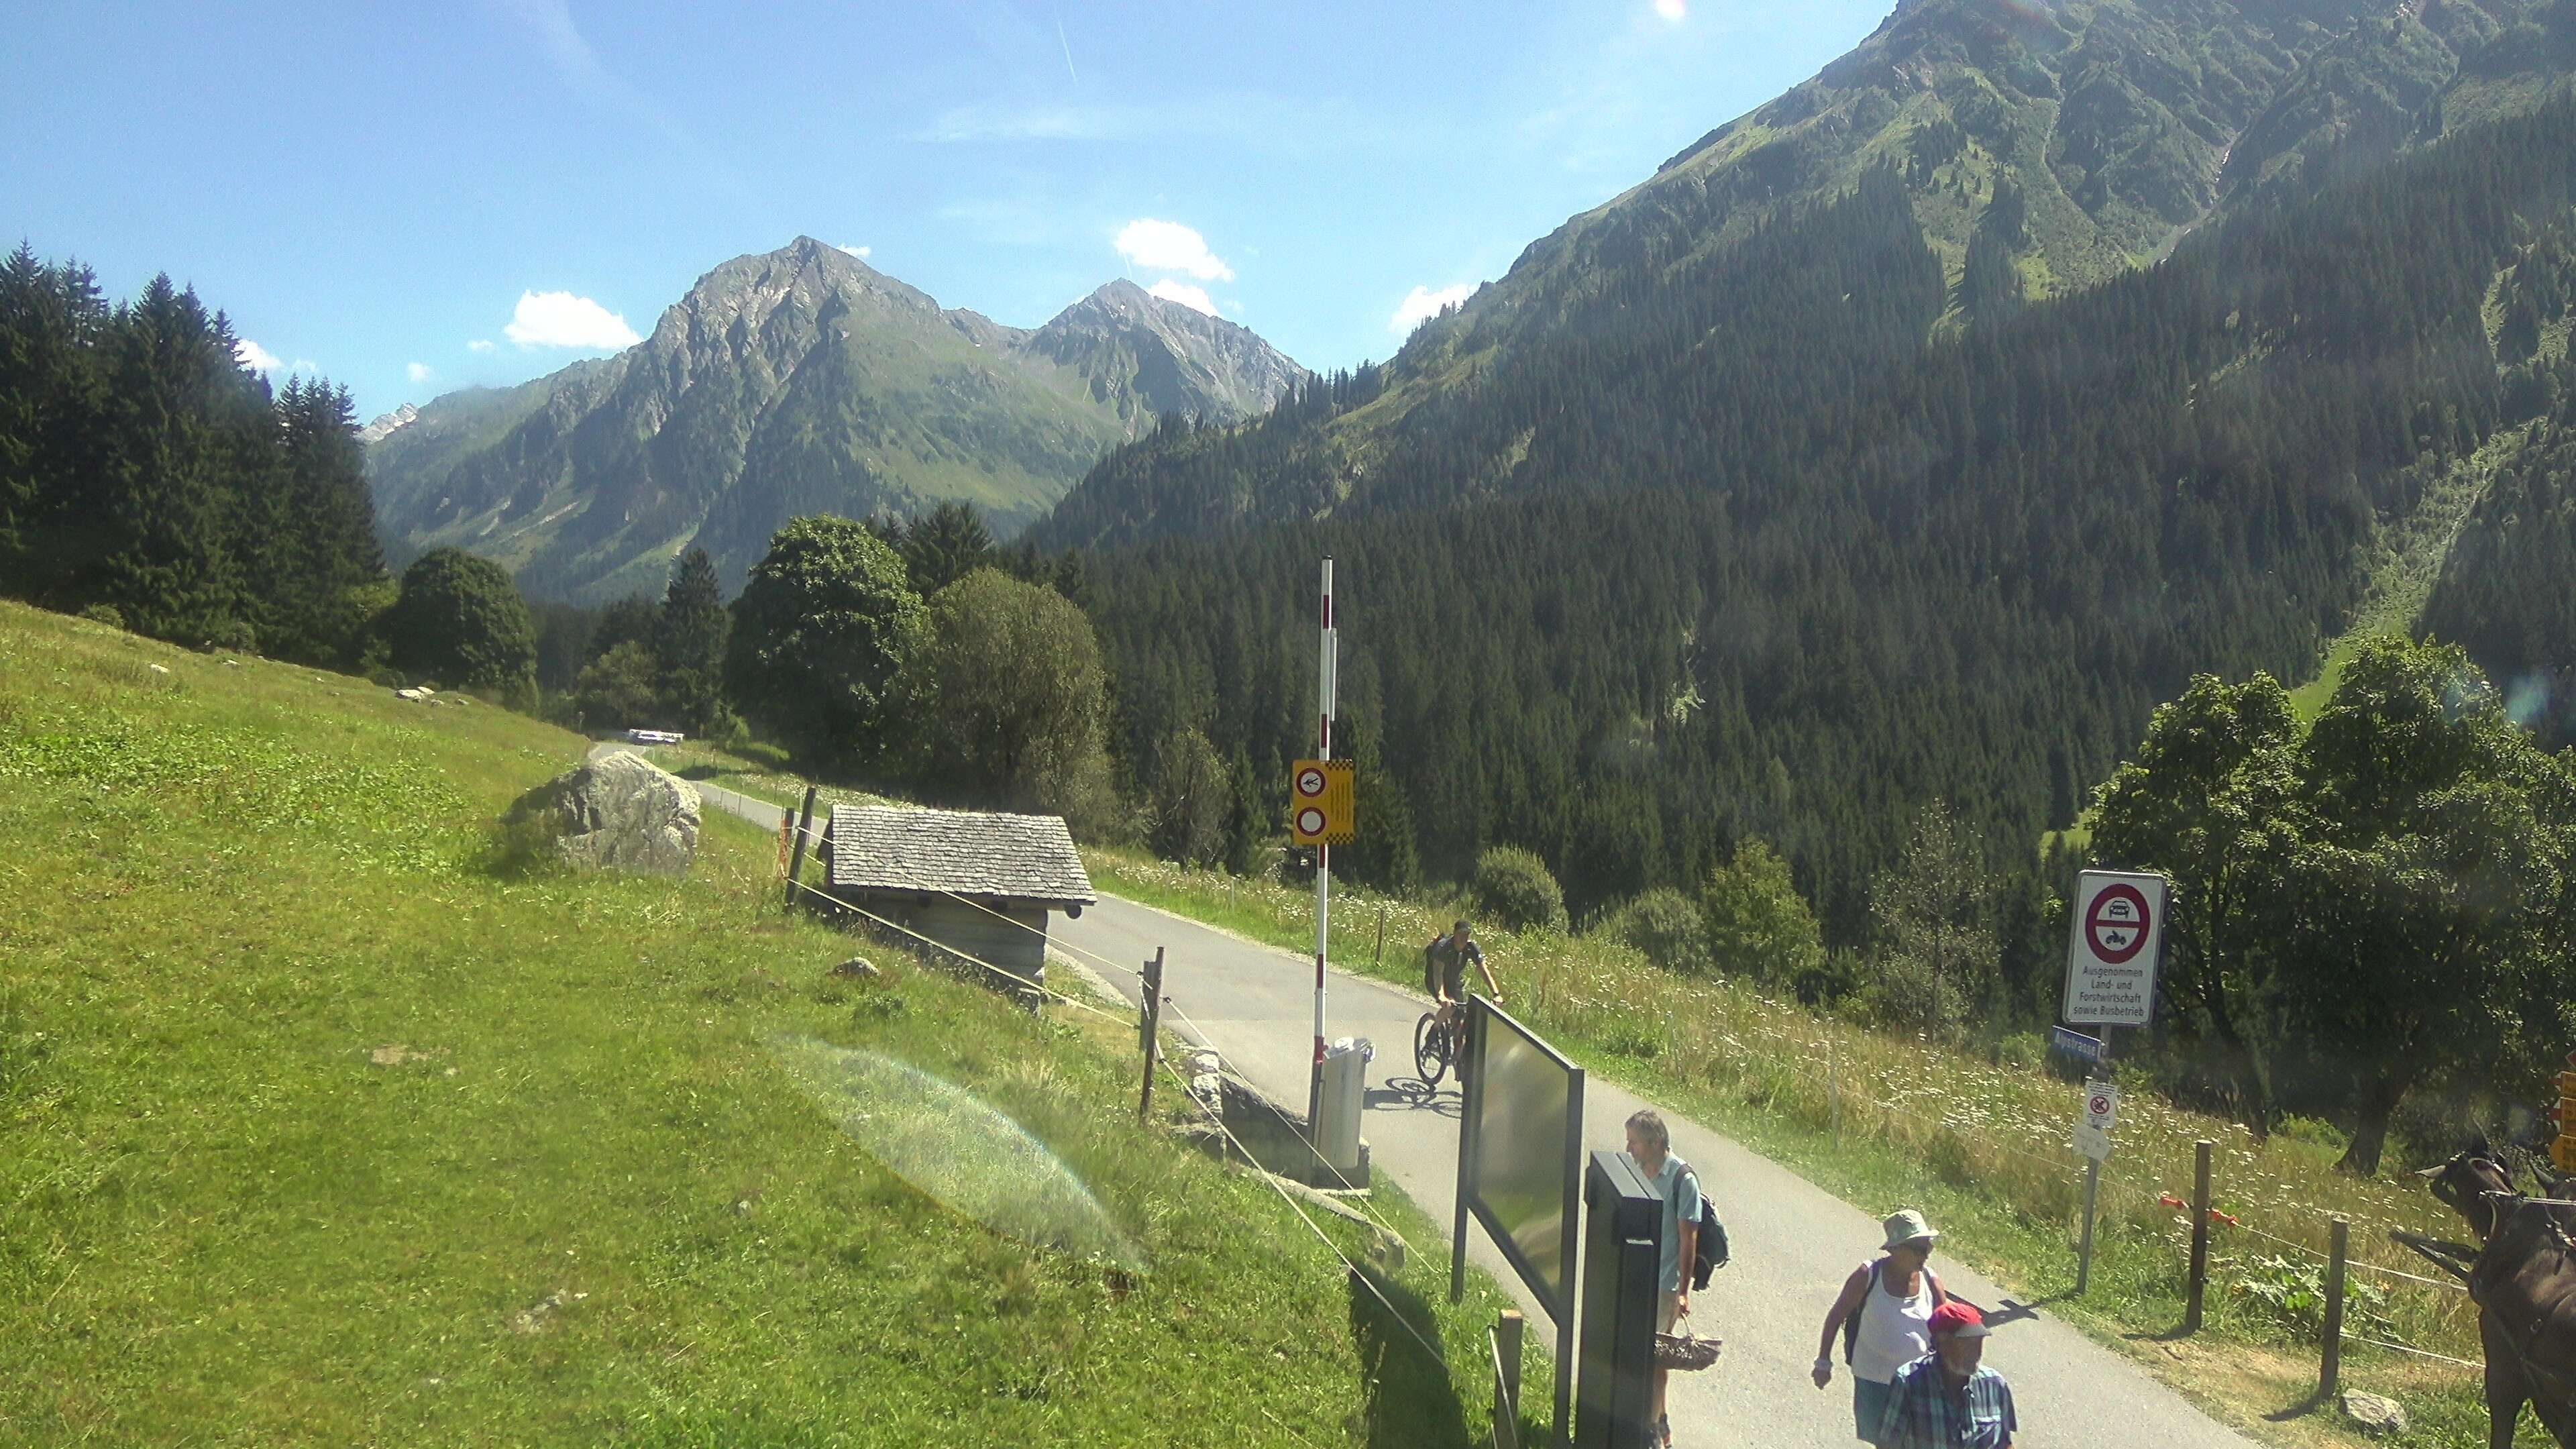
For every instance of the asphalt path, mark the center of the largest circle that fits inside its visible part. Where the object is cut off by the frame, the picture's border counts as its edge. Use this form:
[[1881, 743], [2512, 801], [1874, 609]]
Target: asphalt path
[[1792, 1242]]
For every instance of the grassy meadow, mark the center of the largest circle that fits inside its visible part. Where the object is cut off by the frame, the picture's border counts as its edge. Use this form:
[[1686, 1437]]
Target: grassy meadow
[[1884, 1121], [325, 1123]]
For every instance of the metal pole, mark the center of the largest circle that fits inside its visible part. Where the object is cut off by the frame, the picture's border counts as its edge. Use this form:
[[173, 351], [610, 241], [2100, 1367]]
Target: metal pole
[[1507, 1378], [2084, 1252], [2330, 1373], [1471, 1121], [1324, 683], [1150, 1021], [2199, 1234]]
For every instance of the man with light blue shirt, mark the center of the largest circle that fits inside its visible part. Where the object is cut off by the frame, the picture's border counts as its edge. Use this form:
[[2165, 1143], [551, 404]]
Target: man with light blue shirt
[[1673, 1181]]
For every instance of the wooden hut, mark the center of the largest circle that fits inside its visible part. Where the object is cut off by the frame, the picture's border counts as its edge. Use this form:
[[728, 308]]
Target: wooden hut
[[978, 883]]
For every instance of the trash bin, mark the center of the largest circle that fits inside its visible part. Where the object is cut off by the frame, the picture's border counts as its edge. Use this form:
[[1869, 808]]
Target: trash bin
[[1337, 1124]]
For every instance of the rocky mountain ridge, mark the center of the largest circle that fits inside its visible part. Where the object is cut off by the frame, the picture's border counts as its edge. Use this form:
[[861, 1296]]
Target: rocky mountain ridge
[[796, 381]]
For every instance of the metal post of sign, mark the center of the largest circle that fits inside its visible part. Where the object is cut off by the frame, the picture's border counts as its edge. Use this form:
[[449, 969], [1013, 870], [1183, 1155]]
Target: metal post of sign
[[1325, 684], [1471, 1117], [2084, 1252]]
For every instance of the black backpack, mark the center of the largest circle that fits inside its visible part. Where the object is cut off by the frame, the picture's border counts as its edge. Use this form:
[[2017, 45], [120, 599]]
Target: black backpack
[[1709, 1250]]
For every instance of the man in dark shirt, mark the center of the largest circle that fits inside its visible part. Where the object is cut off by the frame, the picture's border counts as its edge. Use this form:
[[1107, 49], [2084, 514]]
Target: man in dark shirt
[[1948, 1399], [1444, 970]]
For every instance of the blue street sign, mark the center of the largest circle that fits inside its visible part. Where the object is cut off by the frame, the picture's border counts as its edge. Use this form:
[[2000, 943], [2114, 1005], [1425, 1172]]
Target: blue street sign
[[2075, 1044]]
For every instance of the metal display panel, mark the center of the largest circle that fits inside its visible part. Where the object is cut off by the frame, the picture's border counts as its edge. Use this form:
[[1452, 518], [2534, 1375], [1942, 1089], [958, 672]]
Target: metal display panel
[[1520, 1168]]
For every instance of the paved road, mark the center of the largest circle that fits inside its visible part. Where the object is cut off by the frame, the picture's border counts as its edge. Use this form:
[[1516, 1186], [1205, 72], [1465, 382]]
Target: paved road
[[1792, 1241]]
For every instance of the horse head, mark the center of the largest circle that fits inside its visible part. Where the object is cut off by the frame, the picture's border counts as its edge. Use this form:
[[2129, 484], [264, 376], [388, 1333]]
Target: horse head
[[2465, 1184]]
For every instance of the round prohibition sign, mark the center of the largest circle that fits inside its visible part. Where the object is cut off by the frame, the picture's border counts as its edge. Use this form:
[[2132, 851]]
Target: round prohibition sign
[[1310, 783], [1310, 821], [2115, 925], [2099, 1105]]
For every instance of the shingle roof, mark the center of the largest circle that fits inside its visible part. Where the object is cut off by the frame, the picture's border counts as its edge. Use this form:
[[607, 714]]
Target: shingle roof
[[969, 852]]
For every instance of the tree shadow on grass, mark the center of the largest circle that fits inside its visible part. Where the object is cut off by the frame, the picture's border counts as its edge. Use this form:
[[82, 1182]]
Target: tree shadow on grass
[[1409, 1401]]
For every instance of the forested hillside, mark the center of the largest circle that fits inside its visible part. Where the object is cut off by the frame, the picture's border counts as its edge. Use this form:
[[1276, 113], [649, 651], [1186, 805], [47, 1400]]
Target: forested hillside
[[1735, 552], [148, 475]]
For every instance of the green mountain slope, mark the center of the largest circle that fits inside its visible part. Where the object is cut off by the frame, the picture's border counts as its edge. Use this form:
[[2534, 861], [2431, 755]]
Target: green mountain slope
[[791, 382], [2040, 149]]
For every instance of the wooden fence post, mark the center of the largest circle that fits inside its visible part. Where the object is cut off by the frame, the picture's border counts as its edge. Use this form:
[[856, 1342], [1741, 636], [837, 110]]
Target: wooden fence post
[[2199, 1235], [1150, 1020], [1506, 1340], [804, 829], [2330, 1373]]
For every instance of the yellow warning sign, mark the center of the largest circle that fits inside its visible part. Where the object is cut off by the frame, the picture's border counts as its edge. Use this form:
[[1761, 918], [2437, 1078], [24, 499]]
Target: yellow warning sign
[[1322, 803]]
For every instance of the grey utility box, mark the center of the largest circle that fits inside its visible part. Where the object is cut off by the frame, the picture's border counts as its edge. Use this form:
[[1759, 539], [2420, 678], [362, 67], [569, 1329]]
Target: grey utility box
[[1337, 1118]]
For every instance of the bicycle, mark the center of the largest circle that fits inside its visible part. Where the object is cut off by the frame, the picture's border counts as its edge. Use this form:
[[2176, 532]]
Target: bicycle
[[1435, 1047]]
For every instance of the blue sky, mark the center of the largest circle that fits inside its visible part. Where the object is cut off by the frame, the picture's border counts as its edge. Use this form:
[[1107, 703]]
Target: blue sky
[[413, 198]]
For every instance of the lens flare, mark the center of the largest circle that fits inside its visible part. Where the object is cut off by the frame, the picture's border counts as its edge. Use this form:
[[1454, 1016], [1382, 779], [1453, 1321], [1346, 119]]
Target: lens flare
[[955, 1149]]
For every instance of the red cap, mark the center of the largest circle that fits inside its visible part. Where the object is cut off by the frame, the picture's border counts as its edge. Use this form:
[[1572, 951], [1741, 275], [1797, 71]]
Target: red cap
[[1955, 1319]]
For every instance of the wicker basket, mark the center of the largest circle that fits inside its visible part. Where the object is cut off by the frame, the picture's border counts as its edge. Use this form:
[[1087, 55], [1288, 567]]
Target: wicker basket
[[1685, 1351]]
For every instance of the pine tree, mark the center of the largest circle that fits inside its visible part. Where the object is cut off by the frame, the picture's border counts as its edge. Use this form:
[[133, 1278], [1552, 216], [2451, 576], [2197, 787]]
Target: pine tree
[[689, 645]]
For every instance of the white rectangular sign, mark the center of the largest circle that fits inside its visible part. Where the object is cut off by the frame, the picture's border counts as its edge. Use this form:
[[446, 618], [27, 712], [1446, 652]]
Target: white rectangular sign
[[2116, 935], [2093, 1128], [2101, 1105]]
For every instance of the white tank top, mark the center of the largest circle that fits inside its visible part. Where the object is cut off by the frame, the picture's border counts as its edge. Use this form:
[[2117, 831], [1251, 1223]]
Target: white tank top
[[1894, 1331]]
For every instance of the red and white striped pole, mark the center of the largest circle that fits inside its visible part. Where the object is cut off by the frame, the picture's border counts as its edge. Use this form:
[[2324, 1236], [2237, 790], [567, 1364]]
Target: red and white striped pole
[[1324, 695]]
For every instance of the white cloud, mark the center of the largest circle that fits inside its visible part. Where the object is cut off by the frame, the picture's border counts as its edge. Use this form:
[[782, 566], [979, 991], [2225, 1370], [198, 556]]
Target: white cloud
[[1168, 246], [860, 252], [255, 357], [1173, 290], [1675, 11], [417, 372], [1422, 304], [560, 319], [479, 344]]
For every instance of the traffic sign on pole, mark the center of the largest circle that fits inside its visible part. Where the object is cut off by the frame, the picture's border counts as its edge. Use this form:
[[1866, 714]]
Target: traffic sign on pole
[[2117, 939], [2093, 1129], [1321, 802]]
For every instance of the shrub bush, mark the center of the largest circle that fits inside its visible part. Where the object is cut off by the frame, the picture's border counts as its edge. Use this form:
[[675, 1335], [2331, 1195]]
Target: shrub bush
[[1664, 926], [104, 614], [1513, 886]]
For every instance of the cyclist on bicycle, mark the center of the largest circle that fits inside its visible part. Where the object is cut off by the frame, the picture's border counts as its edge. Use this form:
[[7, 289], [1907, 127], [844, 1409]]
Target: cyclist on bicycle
[[1444, 971]]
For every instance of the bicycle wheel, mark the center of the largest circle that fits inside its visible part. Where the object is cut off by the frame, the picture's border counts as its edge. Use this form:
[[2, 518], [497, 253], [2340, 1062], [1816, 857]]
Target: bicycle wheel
[[1430, 1049]]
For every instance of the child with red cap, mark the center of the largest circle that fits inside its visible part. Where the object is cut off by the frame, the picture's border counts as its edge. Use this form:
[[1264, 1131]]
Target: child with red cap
[[1948, 1399]]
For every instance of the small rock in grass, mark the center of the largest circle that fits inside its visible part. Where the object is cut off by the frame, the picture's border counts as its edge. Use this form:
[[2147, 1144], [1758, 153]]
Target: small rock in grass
[[860, 967], [158, 668], [2374, 1414], [540, 1317], [1202, 1062]]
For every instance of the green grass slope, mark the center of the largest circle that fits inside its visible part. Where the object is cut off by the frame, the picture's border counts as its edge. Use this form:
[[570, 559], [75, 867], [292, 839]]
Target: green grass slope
[[318, 1127]]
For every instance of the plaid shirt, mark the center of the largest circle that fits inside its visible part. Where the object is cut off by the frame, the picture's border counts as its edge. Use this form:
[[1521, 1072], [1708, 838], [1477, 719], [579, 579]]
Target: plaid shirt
[[1924, 1412]]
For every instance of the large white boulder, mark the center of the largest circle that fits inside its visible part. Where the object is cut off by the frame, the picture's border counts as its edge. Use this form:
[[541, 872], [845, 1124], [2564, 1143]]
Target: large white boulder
[[619, 812]]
